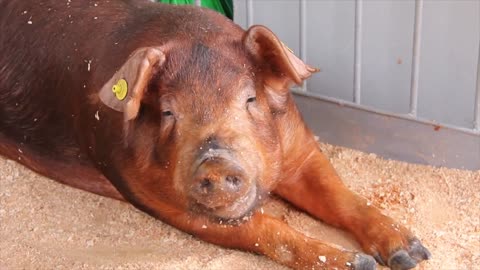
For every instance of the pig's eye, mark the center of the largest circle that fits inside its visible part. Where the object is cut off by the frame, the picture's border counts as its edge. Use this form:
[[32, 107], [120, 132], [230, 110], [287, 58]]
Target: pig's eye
[[251, 99], [167, 113]]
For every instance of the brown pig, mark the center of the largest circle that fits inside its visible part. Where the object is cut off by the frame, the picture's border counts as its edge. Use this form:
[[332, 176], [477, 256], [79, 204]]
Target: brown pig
[[185, 115]]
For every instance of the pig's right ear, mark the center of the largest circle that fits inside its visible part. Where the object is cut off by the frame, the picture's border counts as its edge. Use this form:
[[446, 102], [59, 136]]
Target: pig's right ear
[[283, 68], [124, 91]]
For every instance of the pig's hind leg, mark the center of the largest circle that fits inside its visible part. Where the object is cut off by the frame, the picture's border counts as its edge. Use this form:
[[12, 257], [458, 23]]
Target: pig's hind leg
[[318, 190], [74, 172]]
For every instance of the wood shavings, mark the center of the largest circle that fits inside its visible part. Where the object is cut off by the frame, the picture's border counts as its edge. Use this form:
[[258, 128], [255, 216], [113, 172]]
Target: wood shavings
[[40, 217]]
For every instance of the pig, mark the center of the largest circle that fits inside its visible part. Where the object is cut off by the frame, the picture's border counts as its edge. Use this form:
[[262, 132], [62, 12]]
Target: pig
[[188, 117]]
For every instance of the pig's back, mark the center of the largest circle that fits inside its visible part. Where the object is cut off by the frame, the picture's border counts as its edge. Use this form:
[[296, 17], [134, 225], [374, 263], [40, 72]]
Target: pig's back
[[55, 54]]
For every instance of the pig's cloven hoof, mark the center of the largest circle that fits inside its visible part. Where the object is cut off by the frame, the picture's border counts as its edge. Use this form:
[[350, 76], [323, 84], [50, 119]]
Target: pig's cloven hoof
[[364, 262], [403, 260]]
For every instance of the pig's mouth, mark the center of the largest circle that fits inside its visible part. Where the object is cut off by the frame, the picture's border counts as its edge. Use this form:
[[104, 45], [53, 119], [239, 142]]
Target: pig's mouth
[[240, 208]]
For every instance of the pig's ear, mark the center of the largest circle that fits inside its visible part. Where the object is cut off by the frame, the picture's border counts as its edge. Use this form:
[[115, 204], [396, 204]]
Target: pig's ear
[[283, 66], [124, 91]]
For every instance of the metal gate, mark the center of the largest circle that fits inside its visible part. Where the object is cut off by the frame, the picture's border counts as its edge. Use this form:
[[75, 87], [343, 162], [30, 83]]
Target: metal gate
[[399, 78]]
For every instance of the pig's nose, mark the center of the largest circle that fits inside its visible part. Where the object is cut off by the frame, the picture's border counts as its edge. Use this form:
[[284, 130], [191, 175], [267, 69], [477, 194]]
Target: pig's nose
[[228, 183], [218, 182]]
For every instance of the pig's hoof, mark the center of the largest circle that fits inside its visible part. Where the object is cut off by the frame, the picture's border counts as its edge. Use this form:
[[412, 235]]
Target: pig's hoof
[[400, 260], [403, 260], [364, 262], [418, 251]]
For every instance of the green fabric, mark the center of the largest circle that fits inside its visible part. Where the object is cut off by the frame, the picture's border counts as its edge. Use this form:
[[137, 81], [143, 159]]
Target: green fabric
[[225, 7]]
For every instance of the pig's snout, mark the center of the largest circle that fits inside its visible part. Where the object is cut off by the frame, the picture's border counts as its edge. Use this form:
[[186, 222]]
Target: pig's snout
[[220, 185], [208, 184], [218, 181]]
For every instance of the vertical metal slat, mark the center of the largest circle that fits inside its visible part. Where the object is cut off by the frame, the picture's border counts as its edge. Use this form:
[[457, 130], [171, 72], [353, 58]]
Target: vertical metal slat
[[357, 72], [303, 36], [249, 13], [476, 117], [417, 37]]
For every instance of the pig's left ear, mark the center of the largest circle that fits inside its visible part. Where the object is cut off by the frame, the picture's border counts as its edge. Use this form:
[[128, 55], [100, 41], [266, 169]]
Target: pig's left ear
[[284, 68], [125, 90]]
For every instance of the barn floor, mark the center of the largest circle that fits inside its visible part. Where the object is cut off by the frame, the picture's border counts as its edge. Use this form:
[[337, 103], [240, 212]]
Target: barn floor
[[45, 225]]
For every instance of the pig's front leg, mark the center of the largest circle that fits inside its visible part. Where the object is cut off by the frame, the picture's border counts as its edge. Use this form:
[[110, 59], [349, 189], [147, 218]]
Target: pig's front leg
[[317, 189], [266, 235]]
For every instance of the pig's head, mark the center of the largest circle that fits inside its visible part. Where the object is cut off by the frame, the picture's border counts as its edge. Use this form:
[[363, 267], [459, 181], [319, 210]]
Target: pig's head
[[201, 120]]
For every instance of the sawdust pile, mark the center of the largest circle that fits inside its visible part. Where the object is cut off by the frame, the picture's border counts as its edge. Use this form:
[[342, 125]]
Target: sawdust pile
[[45, 225]]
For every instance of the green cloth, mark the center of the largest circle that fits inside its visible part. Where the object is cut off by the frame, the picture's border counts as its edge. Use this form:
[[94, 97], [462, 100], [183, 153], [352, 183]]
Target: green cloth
[[225, 7]]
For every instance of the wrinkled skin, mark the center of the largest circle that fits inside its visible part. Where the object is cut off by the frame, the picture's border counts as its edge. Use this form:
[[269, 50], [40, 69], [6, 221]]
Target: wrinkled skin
[[208, 128]]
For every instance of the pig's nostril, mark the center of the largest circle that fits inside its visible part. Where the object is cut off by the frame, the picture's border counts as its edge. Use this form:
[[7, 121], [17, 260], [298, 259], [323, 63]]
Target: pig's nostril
[[233, 182], [206, 185]]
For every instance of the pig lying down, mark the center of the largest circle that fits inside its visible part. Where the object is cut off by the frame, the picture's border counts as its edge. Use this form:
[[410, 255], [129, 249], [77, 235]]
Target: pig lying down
[[185, 115]]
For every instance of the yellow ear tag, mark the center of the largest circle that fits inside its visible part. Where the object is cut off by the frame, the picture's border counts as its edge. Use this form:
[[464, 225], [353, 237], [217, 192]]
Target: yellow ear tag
[[120, 89]]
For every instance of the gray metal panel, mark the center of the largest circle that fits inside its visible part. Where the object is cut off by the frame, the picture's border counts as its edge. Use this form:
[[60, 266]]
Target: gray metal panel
[[330, 41], [400, 103], [448, 61], [387, 54], [240, 13], [282, 17], [390, 137]]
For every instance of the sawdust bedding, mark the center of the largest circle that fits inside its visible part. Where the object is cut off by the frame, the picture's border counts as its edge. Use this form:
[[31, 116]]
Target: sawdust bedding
[[46, 225]]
